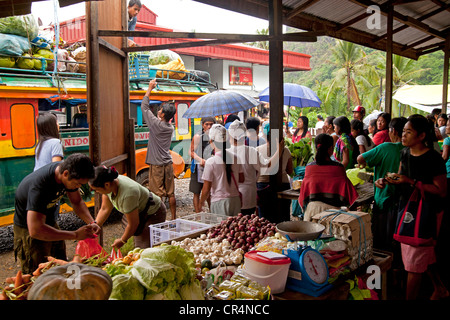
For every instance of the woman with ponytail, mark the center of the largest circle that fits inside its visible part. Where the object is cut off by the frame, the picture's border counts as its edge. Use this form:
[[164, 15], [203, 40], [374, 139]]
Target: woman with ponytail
[[139, 206], [346, 149], [325, 185], [221, 176]]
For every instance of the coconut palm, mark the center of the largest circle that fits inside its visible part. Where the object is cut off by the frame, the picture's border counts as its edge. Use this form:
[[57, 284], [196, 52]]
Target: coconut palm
[[352, 62]]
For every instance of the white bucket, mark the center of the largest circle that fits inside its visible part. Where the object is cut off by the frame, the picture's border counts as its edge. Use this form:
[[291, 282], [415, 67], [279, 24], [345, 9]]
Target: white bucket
[[267, 272]]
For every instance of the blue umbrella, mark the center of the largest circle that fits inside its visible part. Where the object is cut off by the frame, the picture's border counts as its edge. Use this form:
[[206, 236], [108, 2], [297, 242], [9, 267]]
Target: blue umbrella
[[295, 95], [220, 102]]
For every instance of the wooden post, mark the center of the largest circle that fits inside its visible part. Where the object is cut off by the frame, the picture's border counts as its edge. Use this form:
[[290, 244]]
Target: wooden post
[[389, 76], [445, 76], [276, 68]]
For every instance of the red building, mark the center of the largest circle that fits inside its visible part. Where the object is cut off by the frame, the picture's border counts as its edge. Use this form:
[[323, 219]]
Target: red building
[[231, 66]]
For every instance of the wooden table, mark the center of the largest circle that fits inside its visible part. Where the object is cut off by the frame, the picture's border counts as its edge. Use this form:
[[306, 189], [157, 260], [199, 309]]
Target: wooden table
[[341, 288]]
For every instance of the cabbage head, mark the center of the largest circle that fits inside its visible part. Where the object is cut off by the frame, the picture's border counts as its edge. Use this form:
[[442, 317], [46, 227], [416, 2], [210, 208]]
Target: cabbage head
[[156, 275], [174, 255], [126, 287], [170, 293], [192, 291]]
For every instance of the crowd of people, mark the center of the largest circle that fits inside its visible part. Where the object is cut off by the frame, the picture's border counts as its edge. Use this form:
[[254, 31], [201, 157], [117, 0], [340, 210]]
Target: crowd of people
[[403, 153], [232, 170]]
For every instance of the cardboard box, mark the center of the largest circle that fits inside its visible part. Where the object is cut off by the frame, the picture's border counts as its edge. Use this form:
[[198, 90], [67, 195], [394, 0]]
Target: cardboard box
[[352, 226]]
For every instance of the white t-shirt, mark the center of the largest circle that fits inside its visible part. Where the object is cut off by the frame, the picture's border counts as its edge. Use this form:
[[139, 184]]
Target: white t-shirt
[[273, 168], [251, 162], [49, 148], [319, 124], [362, 141], [215, 173]]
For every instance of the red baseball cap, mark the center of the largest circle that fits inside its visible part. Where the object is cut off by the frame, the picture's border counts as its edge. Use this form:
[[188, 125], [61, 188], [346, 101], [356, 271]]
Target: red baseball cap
[[358, 109]]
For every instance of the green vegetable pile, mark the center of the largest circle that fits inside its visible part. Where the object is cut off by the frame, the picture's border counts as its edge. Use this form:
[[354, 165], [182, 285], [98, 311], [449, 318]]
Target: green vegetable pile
[[301, 151], [24, 26], [165, 272]]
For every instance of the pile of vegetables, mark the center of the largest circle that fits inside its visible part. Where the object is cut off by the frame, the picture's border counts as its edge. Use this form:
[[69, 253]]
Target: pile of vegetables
[[242, 231], [205, 249], [301, 151], [24, 26], [165, 272], [17, 287]]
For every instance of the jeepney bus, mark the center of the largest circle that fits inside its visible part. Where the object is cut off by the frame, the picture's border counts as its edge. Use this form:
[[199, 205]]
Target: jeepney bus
[[23, 95]]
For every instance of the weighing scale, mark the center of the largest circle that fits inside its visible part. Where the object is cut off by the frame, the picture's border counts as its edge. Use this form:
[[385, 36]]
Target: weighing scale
[[308, 272]]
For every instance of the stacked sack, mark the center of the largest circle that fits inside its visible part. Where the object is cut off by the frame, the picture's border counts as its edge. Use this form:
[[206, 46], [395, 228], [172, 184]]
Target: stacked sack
[[354, 229]]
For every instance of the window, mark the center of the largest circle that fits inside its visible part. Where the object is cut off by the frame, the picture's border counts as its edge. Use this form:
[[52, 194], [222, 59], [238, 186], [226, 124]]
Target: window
[[183, 123], [23, 132]]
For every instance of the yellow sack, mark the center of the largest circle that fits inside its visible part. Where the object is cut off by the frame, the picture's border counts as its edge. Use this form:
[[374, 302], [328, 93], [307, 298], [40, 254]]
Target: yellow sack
[[175, 65]]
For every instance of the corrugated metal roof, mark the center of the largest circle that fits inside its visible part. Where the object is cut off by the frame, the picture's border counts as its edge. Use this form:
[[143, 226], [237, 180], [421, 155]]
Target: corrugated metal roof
[[414, 21]]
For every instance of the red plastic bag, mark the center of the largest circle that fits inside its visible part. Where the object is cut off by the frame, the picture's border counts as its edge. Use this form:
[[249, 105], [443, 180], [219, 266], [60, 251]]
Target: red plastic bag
[[89, 247]]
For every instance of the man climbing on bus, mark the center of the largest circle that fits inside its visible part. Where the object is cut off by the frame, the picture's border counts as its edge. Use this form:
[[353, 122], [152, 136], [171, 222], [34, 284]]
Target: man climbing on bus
[[160, 175], [36, 233]]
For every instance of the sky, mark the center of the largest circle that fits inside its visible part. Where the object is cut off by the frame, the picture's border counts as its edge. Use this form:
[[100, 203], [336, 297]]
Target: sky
[[182, 15]]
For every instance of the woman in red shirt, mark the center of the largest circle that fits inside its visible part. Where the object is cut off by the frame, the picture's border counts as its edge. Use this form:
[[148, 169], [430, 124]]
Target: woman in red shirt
[[382, 133]]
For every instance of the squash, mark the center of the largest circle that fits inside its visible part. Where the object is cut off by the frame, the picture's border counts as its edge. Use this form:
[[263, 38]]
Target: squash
[[73, 281]]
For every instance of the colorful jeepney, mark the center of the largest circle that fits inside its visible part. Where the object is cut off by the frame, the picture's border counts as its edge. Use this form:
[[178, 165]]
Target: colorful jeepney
[[23, 96]]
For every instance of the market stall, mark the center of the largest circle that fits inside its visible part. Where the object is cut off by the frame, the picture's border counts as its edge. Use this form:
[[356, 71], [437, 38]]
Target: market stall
[[212, 257]]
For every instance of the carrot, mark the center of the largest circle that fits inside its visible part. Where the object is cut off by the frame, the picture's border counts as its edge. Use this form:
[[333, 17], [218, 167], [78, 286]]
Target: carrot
[[18, 283], [3, 295], [77, 258], [10, 280], [26, 278], [57, 261]]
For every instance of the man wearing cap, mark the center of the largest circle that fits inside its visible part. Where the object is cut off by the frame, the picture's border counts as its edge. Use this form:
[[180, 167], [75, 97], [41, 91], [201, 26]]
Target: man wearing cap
[[359, 113]]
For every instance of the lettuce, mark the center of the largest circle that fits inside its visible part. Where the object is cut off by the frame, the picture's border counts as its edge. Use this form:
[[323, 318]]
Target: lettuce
[[170, 293], [126, 287], [156, 275], [176, 256], [192, 291], [24, 26]]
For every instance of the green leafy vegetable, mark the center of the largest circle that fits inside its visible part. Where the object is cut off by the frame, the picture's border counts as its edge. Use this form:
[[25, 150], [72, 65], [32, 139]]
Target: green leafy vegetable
[[301, 151], [192, 291], [174, 255], [24, 26], [156, 275], [170, 293], [126, 287]]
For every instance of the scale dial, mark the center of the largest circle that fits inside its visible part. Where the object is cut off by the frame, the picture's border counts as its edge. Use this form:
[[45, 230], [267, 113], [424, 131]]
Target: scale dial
[[315, 266]]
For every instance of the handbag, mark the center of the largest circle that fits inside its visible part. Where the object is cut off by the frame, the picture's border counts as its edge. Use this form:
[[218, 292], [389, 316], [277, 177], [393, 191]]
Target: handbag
[[417, 223]]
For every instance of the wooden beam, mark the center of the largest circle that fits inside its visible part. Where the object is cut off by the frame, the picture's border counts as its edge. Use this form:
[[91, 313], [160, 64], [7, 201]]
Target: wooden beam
[[389, 61], [419, 42], [445, 76], [289, 37], [237, 38], [353, 21], [105, 44], [410, 21], [115, 160]]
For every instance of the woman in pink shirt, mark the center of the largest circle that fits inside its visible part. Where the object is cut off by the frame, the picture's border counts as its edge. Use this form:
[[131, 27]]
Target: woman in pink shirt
[[221, 176], [382, 133], [301, 131]]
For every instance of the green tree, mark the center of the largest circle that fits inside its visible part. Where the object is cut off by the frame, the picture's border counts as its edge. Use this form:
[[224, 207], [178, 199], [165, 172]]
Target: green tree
[[351, 63]]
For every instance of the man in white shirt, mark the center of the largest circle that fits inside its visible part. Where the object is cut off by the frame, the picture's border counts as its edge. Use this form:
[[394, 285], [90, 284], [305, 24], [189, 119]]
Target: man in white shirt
[[320, 122]]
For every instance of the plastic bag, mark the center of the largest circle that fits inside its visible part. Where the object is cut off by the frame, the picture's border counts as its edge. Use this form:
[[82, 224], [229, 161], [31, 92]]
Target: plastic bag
[[162, 57], [24, 26], [12, 45], [89, 247]]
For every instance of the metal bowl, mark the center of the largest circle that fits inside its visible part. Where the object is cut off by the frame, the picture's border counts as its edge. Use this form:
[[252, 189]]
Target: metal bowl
[[300, 230]]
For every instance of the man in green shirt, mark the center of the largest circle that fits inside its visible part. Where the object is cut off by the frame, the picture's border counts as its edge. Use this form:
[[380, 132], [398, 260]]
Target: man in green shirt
[[385, 158]]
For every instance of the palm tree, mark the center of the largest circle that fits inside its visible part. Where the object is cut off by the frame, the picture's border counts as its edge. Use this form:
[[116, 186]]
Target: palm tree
[[351, 61]]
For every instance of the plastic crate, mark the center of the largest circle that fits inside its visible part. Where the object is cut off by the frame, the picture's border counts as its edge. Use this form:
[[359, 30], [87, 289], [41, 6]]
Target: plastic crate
[[168, 230], [205, 217], [138, 68]]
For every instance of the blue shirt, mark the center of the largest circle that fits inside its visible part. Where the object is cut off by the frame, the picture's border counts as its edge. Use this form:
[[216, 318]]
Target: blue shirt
[[447, 164]]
